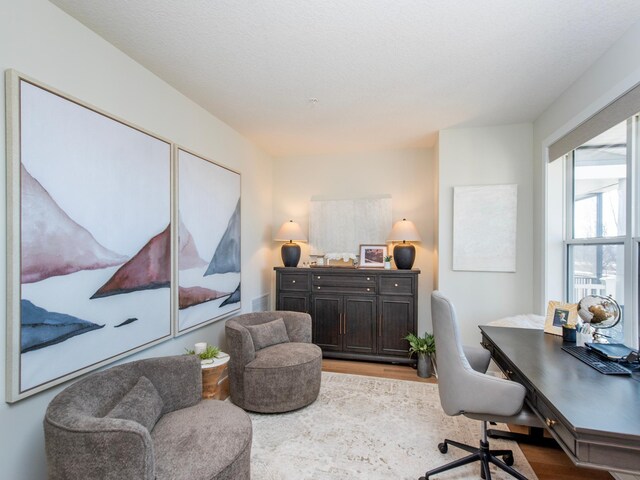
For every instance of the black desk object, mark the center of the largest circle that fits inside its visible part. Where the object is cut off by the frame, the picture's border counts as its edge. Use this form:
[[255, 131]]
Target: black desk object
[[591, 358], [595, 418]]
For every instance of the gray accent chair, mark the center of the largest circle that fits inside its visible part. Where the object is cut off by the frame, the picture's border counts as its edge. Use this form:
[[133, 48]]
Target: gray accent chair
[[90, 432], [465, 389], [277, 378]]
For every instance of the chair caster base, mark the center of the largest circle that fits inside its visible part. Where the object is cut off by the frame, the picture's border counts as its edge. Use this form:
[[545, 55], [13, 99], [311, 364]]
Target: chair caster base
[[480, 454]]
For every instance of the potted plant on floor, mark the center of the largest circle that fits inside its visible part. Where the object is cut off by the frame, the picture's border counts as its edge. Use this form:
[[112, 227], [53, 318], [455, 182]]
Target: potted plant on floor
[[424, 347]]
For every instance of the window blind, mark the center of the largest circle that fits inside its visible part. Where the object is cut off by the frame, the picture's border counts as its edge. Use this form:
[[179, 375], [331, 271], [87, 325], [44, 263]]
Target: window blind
[[619, 110]]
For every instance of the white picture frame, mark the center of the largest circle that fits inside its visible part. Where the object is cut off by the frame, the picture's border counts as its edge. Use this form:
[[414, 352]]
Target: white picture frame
[[208, 262], [89, 197]]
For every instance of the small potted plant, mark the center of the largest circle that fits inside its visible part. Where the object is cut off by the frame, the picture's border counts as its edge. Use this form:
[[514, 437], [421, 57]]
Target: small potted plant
[[387, 262], [207, 356], [424, 347]]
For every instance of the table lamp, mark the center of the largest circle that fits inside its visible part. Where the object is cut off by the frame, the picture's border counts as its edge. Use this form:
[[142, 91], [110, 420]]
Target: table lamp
[[404, 253], [290, 251]]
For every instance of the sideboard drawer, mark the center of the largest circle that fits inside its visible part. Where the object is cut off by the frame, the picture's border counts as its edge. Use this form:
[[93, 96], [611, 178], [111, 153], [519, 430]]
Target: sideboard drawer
[[297, 282], [390, 285], [343, 280], [344, 289]]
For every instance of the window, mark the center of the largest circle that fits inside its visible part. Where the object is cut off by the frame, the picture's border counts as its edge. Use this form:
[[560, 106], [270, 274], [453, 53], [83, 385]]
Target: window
[[599, 242]]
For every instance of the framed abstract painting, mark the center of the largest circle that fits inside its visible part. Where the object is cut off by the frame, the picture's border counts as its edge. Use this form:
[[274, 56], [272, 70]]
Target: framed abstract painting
[[208, 253], [89, 237]]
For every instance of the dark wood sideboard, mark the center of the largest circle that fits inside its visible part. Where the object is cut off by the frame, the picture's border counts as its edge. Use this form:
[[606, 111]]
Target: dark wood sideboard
[[357, 314]]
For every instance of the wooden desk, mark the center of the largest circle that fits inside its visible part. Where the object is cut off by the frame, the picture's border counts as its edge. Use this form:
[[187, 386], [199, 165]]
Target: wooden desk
[[594, 417]]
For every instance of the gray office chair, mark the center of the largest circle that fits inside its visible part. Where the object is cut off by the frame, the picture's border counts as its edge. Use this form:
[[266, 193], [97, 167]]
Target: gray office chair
[[465, 389]]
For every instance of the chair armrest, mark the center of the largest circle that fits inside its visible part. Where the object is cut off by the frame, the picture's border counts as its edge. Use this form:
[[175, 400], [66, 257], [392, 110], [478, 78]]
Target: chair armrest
[[90, 447], [239, 345], [490, 395], [477, 357]]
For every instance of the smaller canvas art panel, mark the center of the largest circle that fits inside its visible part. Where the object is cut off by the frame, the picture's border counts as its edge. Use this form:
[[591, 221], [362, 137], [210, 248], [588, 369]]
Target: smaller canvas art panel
[[484, 228], [208, 247], [89, 245]]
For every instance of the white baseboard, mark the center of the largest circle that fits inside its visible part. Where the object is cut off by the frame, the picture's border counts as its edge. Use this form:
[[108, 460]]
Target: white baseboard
[[624, 476]]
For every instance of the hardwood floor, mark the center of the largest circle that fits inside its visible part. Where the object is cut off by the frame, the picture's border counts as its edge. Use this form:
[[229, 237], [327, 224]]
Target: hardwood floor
[[547, 463]]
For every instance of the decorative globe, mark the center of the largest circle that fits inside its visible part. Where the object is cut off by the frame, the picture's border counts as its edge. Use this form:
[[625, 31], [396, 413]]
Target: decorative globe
[[599, 311]]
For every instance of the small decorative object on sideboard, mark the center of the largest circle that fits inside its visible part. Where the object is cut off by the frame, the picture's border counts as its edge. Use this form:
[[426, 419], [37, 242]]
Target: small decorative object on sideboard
[[387, 262], [425, 347], [372, 256]]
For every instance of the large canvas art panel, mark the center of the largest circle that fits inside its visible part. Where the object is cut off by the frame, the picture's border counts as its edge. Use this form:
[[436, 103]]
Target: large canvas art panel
[[208, 241], [485, 219], [89, 238]]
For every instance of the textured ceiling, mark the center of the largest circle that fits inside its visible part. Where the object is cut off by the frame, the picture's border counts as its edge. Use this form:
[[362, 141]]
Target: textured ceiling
[[385, 73]]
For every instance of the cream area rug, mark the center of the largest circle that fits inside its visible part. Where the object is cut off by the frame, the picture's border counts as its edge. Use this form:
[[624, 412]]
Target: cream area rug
[[368, 428]]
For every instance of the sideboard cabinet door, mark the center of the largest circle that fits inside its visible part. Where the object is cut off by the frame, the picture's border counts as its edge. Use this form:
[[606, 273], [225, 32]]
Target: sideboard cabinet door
[[326, 312], [397, 320], [359, 325]]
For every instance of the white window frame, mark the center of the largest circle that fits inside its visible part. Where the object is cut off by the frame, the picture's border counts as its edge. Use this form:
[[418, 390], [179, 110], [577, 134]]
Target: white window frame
[[631, 239]]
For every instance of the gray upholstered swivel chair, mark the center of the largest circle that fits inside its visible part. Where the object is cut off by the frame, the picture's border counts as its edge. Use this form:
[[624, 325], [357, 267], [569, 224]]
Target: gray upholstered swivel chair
[[274, 367], [146, 420], [465, 389]]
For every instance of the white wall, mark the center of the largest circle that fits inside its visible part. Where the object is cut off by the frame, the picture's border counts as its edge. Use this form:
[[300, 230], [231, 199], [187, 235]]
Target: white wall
[[486, 156], [40, 40], [613, 74], [407, 175]]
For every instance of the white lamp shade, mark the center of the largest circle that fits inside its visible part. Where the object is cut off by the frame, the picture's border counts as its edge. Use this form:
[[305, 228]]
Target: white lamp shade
[[404, 230], [290, 231]]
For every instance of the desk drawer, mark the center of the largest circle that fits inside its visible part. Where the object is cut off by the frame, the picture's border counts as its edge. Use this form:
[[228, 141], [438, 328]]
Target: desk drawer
[[390, 285], [329, 280], [294, 282], [556, 426]]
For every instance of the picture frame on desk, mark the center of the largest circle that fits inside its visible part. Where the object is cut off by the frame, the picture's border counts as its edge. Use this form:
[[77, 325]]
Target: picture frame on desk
[[372, 256], [559, 314]]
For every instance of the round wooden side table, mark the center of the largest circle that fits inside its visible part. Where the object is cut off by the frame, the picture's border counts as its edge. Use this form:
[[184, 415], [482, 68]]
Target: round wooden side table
[[212, 374]]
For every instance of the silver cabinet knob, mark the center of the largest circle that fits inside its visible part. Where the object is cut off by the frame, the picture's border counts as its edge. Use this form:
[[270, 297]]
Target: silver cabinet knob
[[293, 281], [318, 288], [318, 277], [368, 278], [368, 289], [396, 284]]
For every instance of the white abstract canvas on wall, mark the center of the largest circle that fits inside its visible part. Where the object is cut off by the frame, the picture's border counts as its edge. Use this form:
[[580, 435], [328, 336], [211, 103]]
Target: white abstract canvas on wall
[[208, 241], [340, 226], [89, 245], [484, 228]]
